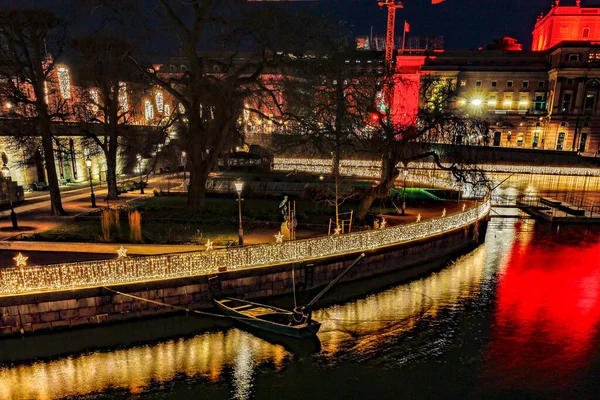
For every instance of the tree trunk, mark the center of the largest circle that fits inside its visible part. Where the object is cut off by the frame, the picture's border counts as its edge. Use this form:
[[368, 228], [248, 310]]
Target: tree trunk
[[197, 188], [56, 207], [389, 173], [111, 174]]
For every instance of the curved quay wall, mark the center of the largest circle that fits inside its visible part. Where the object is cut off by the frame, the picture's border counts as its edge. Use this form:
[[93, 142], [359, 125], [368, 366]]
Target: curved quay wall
[[35, 298]]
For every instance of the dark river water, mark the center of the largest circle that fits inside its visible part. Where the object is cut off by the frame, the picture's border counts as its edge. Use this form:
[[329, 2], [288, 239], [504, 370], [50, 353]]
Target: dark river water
[[517, 317]]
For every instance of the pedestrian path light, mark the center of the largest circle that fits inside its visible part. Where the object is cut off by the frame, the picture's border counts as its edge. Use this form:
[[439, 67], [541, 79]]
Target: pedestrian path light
[[239, 186]]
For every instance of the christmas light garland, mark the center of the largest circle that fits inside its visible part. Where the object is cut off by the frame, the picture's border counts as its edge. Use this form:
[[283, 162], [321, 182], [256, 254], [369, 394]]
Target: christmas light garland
[[79, 275]]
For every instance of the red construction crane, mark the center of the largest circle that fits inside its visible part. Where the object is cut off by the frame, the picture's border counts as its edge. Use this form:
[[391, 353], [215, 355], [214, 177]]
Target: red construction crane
[[392, 6]]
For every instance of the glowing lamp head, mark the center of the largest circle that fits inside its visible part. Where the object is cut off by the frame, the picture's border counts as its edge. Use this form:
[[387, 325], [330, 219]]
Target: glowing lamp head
[[405, 172], [138, 157], [476, 102], [375, 117], [88, 163], [239, 186], [5, 171]]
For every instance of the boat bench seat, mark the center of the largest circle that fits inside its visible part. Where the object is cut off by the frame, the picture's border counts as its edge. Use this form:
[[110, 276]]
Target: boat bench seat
[[244, 307]]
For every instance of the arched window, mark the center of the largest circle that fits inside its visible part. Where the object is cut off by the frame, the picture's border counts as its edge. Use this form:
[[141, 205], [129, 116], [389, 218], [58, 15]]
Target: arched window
[[586, 33]]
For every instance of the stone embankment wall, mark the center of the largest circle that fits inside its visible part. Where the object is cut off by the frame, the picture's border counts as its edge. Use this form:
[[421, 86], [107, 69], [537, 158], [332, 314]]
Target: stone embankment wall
[[61, 309]]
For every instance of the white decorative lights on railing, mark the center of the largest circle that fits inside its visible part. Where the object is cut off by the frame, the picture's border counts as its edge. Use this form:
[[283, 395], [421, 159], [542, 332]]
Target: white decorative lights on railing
[[64, 82], [372, 169], [95, 99], [31, 279]]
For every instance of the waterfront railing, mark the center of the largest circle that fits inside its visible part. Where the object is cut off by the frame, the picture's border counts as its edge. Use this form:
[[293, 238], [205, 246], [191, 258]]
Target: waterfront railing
[[89, 274]]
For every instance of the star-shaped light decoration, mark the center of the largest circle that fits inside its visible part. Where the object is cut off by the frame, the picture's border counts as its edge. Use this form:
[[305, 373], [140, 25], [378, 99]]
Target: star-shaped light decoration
[[444, 213], [122, 252], [337, 231], [464, 207], [21, 260], [209, 245], [419, 218], [383, 223], [279, 237]]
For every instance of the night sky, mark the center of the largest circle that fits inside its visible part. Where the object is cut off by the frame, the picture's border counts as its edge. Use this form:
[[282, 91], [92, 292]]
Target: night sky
[[464, 24]]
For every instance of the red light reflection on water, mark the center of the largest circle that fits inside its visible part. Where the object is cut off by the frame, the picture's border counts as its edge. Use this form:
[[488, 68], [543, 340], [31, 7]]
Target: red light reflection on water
[[547, 314]]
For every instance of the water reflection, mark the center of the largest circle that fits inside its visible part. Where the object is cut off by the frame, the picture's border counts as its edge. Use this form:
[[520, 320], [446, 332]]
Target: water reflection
[[548, 309], [358, 329], [522, 311]]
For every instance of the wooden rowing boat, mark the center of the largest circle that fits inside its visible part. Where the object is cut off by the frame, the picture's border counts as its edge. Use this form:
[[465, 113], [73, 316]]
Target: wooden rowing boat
[[268, 318], [296, 324]]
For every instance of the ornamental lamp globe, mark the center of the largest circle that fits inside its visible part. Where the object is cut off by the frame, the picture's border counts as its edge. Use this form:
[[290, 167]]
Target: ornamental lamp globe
[[5, 171], [239, 185], [88, 163]]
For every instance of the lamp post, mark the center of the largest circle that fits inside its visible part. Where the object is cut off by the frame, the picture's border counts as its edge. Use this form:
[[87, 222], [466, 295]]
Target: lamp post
[[13, 215], [239, 185], [88, 163], [139, 160], [405, 173]]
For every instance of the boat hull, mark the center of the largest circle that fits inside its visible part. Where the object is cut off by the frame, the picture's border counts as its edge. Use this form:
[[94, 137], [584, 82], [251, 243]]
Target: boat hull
[[295, 331]]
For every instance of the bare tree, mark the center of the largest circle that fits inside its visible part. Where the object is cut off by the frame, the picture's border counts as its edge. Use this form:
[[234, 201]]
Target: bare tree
[[27, 71], [111, 95], [331, 105], [402, 139], [211, 91]]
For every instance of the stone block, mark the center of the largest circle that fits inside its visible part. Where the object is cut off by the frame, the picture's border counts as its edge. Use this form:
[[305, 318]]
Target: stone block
[[69, 314], [122, 307], [80, 321], [49, 316], [6, 330], [172, 300], [9, 320], [86, 302], [88, 311], [41, 326], [131, 314], [149, 311], [60, 323], [30, 318]]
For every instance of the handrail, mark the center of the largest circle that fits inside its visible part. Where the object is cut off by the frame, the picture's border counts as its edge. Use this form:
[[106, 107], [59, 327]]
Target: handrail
[[90, 274]]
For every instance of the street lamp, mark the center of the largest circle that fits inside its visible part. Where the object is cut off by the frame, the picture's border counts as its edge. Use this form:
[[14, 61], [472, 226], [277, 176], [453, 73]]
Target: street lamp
[[239, 186], [13, 215], [139, 159], [88, 163], [405, 173]]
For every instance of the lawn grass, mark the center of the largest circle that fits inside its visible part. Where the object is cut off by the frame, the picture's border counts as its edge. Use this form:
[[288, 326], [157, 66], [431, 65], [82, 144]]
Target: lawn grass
[[165, 220]]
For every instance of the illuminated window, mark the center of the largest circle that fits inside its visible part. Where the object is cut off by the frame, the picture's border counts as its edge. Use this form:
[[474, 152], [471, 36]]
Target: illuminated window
[[508, 101], [148, 110], [463, 83], [523, 101], [64, 82], [594, 57], [123, 102], [159, 102], [167, 110], [520, 140], [95, 99]]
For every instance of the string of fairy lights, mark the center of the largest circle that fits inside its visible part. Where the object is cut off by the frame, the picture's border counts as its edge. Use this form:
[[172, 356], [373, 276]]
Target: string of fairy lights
[[372, 169], [30, 279]]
